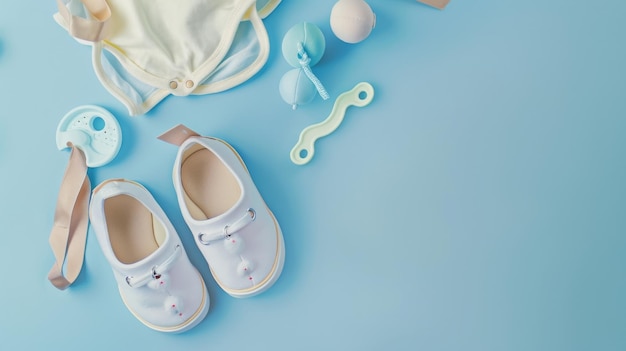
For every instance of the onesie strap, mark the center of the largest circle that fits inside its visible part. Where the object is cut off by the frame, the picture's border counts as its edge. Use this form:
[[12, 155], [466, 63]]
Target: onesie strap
[[92, 29]]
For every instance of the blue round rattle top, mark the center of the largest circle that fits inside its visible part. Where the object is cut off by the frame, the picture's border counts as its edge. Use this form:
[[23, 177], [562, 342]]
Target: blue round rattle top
[[311, 39]]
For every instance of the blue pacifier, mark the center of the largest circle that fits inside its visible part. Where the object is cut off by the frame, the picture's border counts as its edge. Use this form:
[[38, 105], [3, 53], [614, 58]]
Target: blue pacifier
[[93, 130]]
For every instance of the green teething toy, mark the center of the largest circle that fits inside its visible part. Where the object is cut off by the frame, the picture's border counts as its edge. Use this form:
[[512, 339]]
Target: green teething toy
[[361, 95]]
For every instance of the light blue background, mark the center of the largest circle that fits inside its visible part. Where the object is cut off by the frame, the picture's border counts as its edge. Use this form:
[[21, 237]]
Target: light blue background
[[478, 203]]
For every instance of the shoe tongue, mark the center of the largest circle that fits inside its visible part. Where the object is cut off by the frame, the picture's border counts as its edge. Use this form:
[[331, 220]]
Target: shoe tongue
[[177, 135]]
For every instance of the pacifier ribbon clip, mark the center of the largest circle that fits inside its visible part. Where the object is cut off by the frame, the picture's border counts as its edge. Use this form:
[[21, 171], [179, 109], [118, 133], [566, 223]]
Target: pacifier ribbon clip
[[94, 137]]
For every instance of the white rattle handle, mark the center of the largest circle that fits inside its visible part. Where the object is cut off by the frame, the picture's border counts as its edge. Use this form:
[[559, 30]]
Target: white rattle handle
[[361, 95]]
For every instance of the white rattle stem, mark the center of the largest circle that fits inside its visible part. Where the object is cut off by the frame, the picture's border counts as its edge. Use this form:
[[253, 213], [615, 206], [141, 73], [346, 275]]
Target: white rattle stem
[[361, 95]]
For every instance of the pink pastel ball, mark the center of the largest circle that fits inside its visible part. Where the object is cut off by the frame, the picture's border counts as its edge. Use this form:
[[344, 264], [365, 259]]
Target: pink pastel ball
[[352, 20]]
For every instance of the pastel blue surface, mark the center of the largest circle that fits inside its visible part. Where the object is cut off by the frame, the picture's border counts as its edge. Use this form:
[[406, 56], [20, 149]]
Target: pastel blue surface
[[478, 203]]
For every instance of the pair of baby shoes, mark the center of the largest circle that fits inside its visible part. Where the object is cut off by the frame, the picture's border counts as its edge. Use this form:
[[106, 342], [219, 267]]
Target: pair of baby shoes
[[235, 230]]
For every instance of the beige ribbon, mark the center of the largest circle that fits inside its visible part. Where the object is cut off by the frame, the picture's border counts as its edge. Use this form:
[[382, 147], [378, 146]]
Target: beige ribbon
[[93, 30], [71, 219], [440, 4]]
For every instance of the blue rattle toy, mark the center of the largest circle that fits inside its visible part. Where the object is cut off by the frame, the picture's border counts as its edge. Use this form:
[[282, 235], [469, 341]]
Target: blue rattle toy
[[303, 47]]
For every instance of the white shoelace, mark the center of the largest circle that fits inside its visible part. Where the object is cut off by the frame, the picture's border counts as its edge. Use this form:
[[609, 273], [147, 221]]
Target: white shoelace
[[228, 230], [156, 271]]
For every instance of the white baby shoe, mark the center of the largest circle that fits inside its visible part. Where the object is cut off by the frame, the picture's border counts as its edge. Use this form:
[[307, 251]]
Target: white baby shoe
[[156, 280], [235, 230]]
